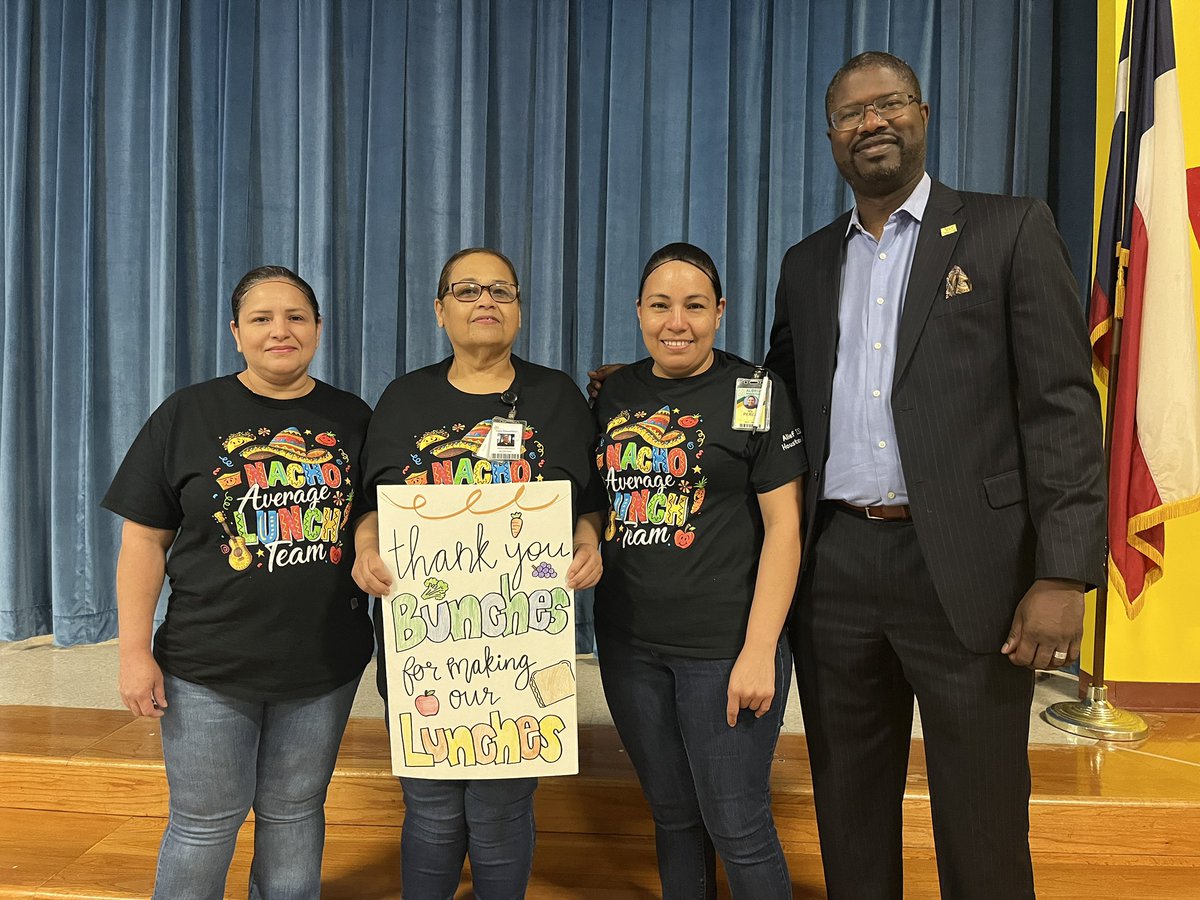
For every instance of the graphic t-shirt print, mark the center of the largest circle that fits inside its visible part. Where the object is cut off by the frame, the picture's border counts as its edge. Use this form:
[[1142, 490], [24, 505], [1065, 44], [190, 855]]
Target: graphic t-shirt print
[[447, 456], [653, 467], [284, 498]]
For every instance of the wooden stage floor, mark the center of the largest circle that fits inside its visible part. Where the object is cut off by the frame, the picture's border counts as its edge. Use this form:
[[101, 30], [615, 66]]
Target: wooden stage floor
[[83, 801]]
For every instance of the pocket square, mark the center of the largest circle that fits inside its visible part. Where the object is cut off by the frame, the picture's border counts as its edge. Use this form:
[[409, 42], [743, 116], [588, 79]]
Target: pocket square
[[957, 283]]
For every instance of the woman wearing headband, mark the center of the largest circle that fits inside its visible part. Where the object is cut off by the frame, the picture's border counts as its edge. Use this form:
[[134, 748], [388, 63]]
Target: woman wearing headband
[[249, 481], [702, 463]]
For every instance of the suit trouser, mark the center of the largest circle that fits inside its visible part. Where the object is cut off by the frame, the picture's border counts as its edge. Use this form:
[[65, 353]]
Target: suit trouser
[[869, 634]]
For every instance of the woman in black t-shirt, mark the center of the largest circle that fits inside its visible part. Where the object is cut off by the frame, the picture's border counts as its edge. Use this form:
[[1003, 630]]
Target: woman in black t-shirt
[[701, 554], [249, 481], [430, 427]]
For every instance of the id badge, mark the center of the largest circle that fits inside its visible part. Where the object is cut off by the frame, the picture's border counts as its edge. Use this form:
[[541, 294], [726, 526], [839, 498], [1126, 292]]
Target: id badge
[[505, 440], [752, 404]]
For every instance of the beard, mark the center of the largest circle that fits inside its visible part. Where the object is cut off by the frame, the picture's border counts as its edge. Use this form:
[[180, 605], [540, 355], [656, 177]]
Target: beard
[[884, 176]]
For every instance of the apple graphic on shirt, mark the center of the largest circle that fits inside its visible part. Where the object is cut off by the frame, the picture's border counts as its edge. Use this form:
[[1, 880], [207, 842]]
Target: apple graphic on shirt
[[427, 704], [683, 539], [335, 555]]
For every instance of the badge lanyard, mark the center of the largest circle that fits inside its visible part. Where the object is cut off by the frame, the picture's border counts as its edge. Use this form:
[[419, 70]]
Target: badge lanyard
[[752, 402], [505, 440]]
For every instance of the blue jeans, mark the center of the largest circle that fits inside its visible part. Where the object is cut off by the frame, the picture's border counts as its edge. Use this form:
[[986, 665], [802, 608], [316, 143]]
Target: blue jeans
[[708, 785], [445, 820], [223, 757]]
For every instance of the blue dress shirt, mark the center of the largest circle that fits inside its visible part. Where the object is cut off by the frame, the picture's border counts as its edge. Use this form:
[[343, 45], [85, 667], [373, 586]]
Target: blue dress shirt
[[863, 466]]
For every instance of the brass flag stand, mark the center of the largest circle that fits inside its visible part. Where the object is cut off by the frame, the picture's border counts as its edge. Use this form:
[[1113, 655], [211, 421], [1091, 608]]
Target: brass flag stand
[[1095, 716]]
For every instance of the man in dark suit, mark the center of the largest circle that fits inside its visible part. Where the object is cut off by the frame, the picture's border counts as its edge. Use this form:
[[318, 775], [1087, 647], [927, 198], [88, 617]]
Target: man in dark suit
[[938, 356]]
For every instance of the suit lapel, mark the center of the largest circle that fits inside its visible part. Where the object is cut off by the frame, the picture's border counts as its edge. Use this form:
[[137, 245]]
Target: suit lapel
[[930, 261], [826, 293], [821, 299]]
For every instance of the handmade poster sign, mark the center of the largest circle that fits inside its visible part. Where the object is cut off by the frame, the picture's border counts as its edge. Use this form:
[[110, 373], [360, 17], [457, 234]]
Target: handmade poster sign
[[479, 631]]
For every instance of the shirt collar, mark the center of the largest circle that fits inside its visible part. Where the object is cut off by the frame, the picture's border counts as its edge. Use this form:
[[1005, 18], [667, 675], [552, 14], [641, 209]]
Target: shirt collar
[[914, 205]]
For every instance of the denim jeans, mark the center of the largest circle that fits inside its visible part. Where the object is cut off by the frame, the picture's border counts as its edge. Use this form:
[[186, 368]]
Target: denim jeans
[[225, 756], [492, 820], [708, 785]]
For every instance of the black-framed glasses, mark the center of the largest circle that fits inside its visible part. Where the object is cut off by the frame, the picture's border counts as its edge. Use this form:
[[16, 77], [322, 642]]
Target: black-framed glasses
[[470, 291], [889, 106]]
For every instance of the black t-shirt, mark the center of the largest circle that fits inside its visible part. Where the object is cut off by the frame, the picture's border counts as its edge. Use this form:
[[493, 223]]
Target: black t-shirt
[[262, 604], [425, 431], [684, 530]]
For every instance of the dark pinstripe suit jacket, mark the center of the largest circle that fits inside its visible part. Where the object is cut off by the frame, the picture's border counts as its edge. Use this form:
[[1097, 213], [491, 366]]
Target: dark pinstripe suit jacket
[[995, 411]]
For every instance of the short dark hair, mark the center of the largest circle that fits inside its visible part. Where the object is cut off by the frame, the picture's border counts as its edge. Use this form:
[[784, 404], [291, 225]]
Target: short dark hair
[[869, 60], [272, 273], [682, 252], [444, 278]]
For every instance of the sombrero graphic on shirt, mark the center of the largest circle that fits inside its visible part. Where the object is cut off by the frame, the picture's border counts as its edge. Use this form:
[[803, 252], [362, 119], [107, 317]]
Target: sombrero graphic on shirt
[[289, 444], [652, 429], [468, 443]]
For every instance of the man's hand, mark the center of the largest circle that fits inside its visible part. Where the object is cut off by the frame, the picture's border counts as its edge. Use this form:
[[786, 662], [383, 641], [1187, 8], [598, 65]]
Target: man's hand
[[597, 376], [1047, 625]]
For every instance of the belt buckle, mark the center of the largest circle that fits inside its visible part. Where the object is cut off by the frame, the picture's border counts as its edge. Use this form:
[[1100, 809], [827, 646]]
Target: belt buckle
[[868, 510]]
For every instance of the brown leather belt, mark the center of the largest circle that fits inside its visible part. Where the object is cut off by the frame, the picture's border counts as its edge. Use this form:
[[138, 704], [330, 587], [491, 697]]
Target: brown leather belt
[[880, 513]]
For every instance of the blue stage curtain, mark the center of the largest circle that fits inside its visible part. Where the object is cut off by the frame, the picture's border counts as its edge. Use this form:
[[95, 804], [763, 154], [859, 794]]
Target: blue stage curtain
[[154, 151]]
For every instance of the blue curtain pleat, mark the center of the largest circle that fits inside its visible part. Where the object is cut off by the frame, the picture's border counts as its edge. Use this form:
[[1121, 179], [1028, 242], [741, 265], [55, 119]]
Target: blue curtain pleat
[[28, 609], [550, 332], [381, 264], [623, 225], [1071, 127], [153, 152], [194, 307]]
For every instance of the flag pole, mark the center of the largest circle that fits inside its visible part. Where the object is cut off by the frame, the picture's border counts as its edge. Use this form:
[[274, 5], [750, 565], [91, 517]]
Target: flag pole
[[1095, 716]]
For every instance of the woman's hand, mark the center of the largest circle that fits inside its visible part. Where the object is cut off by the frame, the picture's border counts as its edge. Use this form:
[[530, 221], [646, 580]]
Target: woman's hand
[[141, 566], [752, 681], [751, 684], [586, 567], [370, 573], [141, 684]]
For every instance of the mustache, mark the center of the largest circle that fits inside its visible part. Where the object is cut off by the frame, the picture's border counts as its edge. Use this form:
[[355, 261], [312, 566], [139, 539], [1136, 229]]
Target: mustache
[[871, 140]]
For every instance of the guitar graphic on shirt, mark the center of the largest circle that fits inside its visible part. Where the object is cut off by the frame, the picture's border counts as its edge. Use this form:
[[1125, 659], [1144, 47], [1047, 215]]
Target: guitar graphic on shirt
[[239, 556]]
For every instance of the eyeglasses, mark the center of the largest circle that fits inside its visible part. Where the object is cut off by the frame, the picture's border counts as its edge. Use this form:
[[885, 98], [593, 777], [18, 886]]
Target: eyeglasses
[[889, 106], [470, 291]]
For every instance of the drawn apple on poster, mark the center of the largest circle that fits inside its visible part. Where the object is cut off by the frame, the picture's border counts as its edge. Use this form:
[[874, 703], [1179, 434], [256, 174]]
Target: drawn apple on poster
[[427, 704]]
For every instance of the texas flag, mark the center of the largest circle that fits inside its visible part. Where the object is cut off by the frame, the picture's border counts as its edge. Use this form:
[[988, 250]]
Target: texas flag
[[1155, 444]]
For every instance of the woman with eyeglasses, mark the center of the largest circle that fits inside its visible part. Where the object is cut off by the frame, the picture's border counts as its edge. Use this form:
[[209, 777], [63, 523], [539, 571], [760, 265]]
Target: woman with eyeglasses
[[430, 427]]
